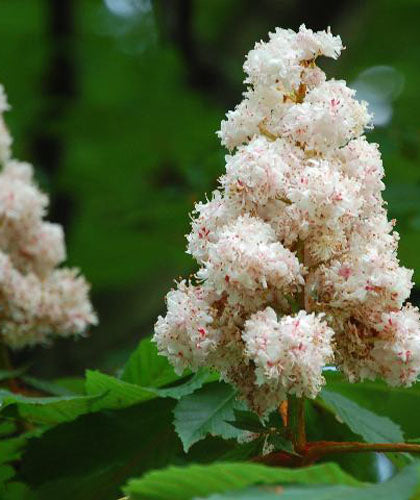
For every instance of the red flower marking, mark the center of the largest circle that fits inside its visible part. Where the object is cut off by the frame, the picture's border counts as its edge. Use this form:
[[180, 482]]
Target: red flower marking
[[203, 233], [345, 272], [202, 332]]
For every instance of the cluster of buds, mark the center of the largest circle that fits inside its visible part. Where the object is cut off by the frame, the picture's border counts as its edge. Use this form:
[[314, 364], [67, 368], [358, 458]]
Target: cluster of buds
[[298, 265], [38, 300]]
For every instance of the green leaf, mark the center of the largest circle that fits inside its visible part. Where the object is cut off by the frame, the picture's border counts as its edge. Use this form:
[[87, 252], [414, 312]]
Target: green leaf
[[372, 427], [93, 456], [7, 374], [146, 367], [49, 410], [206, 412], [322, 425], [400, 404], [7, 427], [400, 487], [6, 473], [280, 443], [196, 381], [244, 451], [116, 393], [11, 449], [75, 385], [247, 421], [48, 387], [275, 420], [182, 483], [14, 490]]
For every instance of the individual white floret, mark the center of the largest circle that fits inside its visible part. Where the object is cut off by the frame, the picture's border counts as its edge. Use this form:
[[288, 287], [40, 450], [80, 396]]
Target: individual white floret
[[36, 309], [389, 350], [364, 282], [20, 200], [262, 107], [313, 44], [289, 353], [362, 162], [185, 335], [208, 219], [396, 352], [42, 248], [324, 195], [328, 117], [278, 61], [5, 138], [275, 61], [255, 173], [247, 258]]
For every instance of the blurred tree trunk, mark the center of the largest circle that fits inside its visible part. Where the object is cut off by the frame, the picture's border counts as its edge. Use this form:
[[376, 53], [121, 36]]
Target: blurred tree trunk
[[58, 91], [48, 141], [204, 63]]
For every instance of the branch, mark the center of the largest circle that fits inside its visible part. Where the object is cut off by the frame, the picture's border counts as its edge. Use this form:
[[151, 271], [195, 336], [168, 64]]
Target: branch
[[6, 364], [296, 422], [317, 449]]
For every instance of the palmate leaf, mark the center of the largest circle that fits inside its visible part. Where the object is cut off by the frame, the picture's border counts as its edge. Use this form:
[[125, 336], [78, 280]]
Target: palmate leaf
[[6, 473], [183, 483], [195, 382], [244, 451], [11, 450], [273, 436], [48, 387], [365, 423], [93, 456], [323, 425], [48, 410], [401, 487], [207, 411], [115, 393], [280, 443], [247, 421], [146, 368], [7, 374], [400, 404]]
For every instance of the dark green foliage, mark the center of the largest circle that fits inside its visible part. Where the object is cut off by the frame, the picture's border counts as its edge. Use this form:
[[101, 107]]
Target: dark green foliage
[[98, 452], [176, 483]]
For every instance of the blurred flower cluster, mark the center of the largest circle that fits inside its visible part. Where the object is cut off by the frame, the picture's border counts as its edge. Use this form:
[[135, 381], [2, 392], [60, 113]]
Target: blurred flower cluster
[[37, 299]]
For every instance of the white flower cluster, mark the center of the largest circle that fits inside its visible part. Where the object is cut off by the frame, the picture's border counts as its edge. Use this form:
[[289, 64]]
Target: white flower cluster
[[37, 299], [298, 264]]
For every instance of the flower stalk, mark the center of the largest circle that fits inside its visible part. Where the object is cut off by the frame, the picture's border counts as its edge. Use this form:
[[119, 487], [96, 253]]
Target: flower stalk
[[296, 422]]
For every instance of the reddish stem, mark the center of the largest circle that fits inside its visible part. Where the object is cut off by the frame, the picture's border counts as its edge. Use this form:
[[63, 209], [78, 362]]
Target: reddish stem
[[317, 449], [296, 422]]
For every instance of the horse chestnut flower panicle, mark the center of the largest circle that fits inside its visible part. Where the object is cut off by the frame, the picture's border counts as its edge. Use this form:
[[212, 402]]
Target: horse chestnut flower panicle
[[298, 264], [38, 300]]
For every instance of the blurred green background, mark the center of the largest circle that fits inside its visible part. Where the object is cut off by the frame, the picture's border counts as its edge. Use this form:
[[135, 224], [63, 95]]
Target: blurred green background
[[116, 102]]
